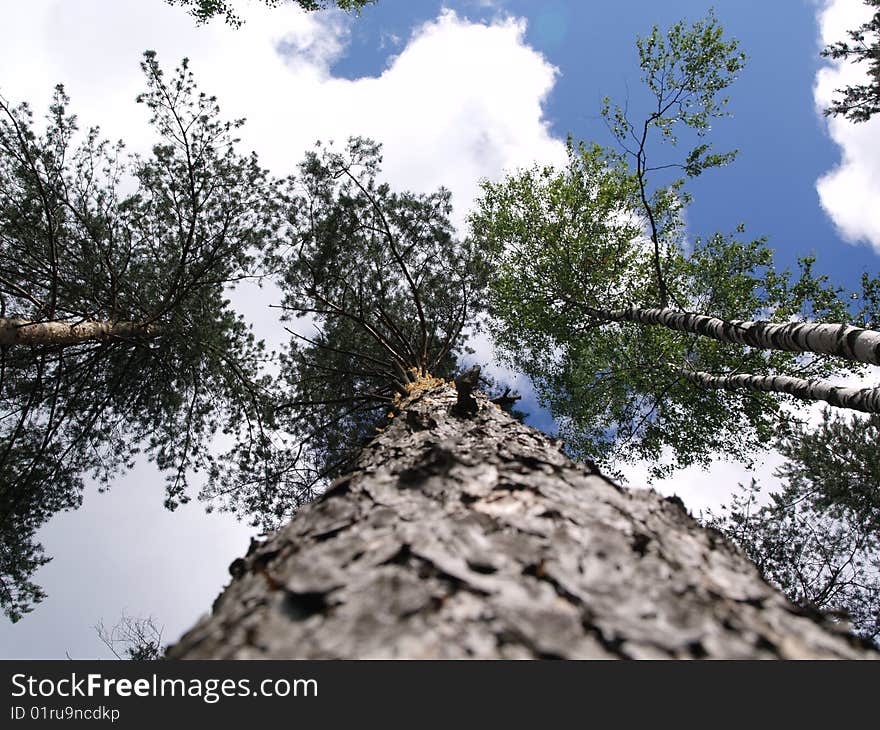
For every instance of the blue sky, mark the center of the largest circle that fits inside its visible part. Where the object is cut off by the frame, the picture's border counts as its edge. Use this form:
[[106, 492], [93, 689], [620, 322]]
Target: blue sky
[[784, 145], [457, 91]]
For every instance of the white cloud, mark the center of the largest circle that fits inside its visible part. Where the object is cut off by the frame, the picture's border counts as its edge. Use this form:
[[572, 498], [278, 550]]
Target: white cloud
[[849, 192], [122, 553], [701, 489], [460, 101]]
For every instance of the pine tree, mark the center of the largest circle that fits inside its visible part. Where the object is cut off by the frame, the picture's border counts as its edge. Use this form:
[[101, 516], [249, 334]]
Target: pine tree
[[380, 293], [461, 532], [116, 333], [861, 101]]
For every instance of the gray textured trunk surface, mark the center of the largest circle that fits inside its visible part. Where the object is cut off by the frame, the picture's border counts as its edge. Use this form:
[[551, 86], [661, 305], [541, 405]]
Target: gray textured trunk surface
[[477, 537]]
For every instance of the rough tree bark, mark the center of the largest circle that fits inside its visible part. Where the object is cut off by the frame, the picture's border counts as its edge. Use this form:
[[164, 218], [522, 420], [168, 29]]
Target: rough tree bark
[[842, 340], [25, 332], [463, 533], [857, 399]]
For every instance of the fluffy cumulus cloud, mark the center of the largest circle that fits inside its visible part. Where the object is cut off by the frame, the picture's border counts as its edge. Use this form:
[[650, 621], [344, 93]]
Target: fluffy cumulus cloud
[[707, 489], [459, 102], [849, 192]]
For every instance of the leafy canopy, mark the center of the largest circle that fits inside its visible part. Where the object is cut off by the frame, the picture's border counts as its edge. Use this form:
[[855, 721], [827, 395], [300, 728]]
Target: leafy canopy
[[88, 233], [570, 246], [379, 292], [818, 537], [204, 10]]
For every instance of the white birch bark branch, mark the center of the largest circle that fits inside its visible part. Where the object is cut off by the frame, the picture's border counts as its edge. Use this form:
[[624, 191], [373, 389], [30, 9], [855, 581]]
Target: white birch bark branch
[[842, 340], [857, 399], [25, 332]]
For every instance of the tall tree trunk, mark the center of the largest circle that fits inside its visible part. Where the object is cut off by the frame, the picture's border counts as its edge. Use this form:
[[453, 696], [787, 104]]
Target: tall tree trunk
[[463, 533], [842, 340], [857, 399], [25, 332]]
